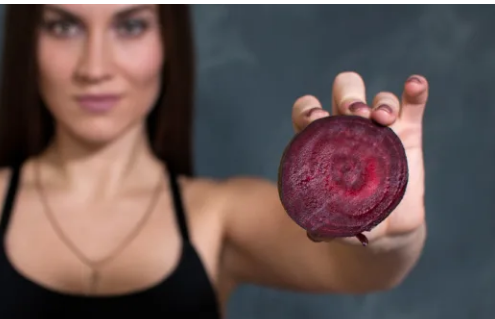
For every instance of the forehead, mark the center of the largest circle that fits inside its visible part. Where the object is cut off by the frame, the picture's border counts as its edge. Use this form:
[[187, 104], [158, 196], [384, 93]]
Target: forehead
[[96, 11]]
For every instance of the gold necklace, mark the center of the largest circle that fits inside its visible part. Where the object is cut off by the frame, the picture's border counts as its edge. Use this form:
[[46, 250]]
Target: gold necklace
[[93, 265]]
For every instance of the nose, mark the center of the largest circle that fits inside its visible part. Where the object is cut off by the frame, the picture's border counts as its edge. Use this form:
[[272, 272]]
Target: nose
[[93, 66]]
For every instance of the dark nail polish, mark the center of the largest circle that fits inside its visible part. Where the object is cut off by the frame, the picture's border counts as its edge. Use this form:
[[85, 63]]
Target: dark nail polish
[[357, 106], [363, 239], [384, 107], [414, 79], [312, 238]]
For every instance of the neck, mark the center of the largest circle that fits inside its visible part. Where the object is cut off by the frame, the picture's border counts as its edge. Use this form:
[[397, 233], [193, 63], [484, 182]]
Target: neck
[[99, 171]]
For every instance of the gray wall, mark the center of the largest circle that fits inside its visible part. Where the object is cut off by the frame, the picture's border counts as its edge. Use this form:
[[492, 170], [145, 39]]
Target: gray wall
[[254, 61]]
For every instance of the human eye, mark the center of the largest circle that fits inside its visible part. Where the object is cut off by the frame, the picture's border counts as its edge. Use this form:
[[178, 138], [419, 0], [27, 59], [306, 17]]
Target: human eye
[[62, 28], [131, 27]]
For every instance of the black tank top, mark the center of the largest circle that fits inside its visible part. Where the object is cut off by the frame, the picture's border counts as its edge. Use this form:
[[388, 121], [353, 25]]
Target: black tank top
[[187, 292]]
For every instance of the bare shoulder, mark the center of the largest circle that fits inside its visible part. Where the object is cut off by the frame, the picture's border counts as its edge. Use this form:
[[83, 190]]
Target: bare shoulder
[[248, 195], [232, 205], [204, 206], [225, 211], [201, 190], [247, 186], [227, 195]]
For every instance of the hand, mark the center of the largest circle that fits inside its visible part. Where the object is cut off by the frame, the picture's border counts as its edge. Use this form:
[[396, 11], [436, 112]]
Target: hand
[[404, 116]]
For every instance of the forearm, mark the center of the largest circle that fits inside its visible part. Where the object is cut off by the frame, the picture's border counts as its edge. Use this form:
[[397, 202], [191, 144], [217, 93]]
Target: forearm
[[382, 265]]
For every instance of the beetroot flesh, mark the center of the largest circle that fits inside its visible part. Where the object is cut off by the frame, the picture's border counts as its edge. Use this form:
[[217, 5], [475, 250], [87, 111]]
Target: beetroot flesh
[[342, 176]]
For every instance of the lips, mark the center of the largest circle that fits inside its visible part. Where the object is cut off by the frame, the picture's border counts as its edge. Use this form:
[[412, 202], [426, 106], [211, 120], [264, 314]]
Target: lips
[[98, 103]]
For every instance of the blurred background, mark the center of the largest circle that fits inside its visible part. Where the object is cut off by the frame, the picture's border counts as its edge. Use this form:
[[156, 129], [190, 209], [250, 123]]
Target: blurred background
[[255, 60]]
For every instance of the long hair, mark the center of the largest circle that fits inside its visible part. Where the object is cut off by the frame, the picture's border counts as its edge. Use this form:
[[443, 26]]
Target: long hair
[[26, 126]]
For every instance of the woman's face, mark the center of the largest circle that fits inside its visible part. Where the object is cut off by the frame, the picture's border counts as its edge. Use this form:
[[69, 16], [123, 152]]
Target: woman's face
[[99, 67]]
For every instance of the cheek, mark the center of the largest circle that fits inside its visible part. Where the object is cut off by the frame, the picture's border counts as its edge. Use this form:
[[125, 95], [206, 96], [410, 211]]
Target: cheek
[[55, 63], [141, 66]]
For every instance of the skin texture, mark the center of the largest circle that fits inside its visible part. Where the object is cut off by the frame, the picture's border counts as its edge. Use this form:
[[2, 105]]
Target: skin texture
[[99, 173], [333, 184]]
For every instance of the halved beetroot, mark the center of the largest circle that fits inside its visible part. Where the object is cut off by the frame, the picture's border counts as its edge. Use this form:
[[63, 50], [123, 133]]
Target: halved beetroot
[[342, 176]]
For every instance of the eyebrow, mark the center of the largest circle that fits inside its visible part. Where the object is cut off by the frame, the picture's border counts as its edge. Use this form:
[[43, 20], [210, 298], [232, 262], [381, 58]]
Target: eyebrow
[[133, 10], [119, 15]]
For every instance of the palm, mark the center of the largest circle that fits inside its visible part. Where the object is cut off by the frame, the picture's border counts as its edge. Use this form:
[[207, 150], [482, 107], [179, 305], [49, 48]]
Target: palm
[[410, 212], [404, 116]]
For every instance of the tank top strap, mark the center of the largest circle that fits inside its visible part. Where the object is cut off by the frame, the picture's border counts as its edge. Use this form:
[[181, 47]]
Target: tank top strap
[[178, 205], [10, 196]]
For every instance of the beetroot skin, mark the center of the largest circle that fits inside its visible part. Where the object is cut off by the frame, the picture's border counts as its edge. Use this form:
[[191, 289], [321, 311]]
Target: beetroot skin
[[342, 176]]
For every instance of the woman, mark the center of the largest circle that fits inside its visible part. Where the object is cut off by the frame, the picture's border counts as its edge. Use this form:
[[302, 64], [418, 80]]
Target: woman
[[102, 215]]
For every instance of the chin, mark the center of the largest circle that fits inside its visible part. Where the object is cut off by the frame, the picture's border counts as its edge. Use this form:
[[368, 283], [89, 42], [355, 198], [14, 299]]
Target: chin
[[94, 134]]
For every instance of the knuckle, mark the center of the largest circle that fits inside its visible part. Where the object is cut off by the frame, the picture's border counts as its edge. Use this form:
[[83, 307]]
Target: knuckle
[[387, 97], [305, 102]]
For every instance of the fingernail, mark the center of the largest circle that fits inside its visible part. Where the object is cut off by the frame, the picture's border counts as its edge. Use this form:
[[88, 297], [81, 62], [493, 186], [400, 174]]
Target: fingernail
[[312, 238], [356, 106], [363, 239], [384, 107], [414, 79], [309, 112]]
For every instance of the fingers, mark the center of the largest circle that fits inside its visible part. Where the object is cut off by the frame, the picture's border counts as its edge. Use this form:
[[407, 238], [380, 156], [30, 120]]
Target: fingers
[[349, 95], [313, 238], [414, 99], [305, 110], [349, 98], [317, 239], [386, 108]]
